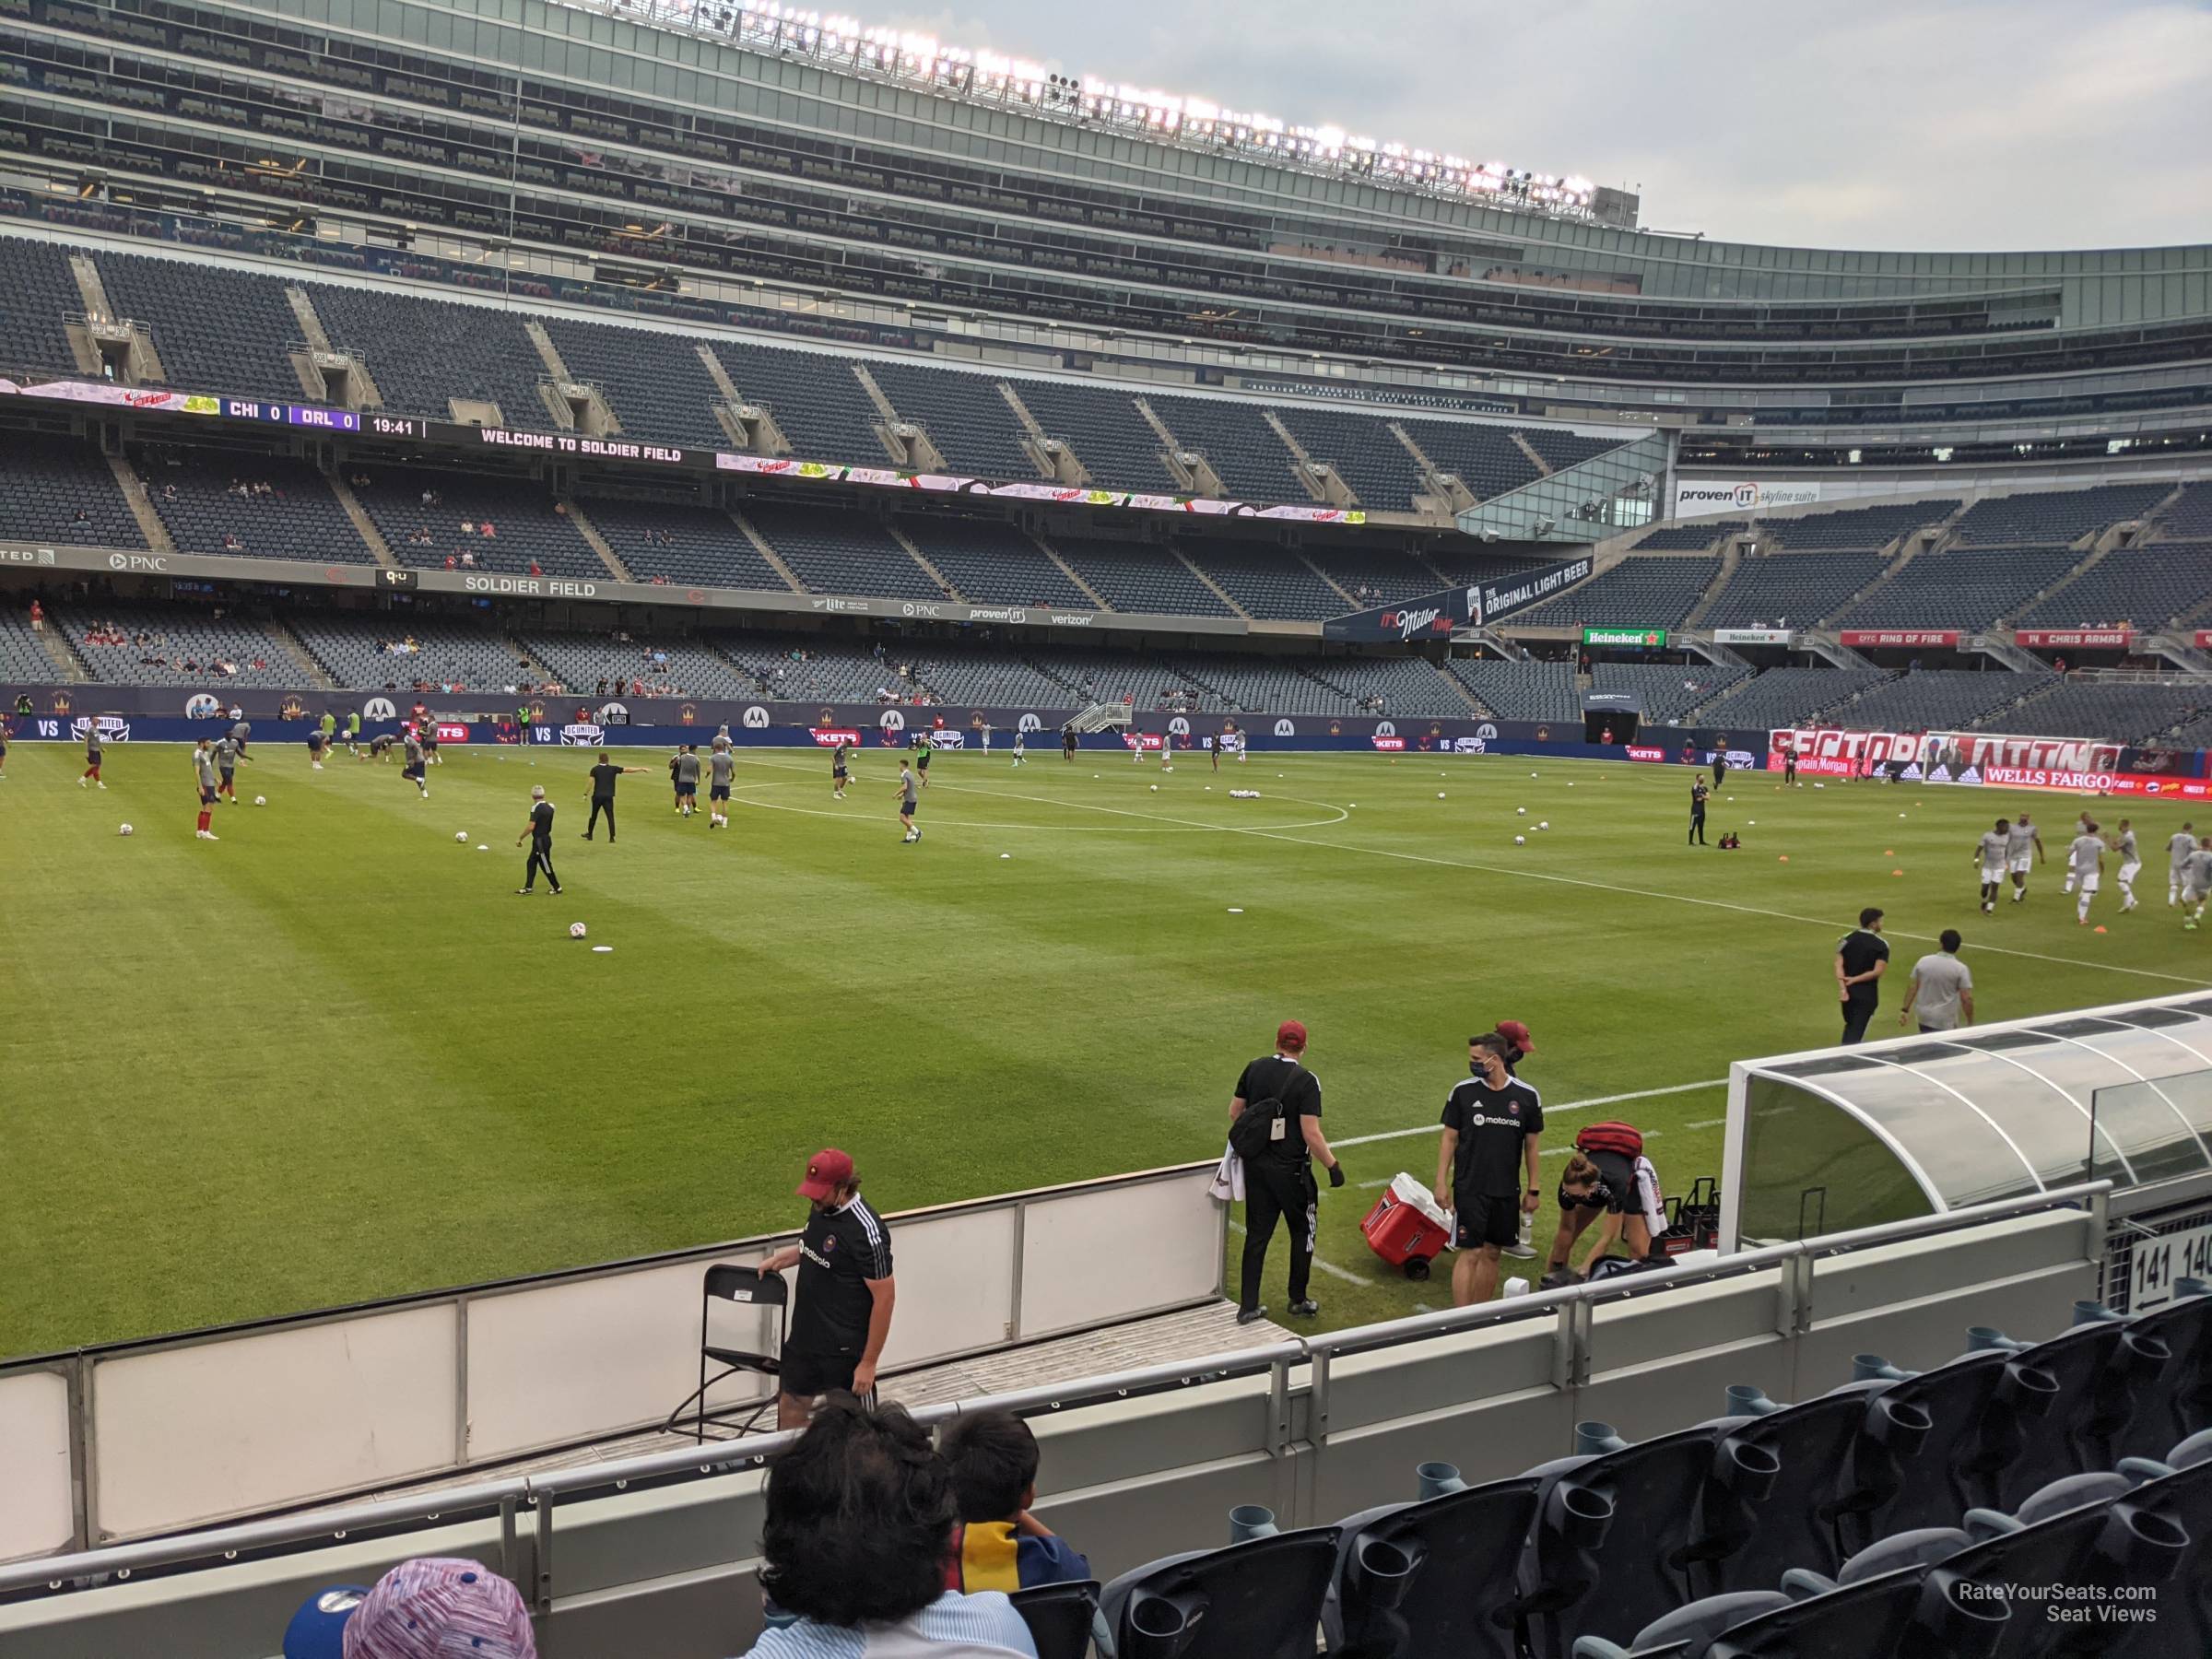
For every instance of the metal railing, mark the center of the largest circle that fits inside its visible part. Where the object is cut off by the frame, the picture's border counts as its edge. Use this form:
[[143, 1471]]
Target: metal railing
[[1571, 1309]]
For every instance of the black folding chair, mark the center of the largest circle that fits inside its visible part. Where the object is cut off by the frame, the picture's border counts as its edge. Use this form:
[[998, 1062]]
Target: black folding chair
[[747, 1287], [1059, 1617]]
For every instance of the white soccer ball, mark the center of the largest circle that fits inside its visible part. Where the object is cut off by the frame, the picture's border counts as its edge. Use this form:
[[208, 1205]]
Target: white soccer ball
[[124, 831], [1155, 789], [575, 930], [1532, 774], [1543, 823], [260, 800], [1440, 795], [1520, 840], [1519, 812], [461, 836], [1750, 823]]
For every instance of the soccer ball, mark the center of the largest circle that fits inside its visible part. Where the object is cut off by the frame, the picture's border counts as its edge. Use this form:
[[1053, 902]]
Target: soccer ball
[[1543, 823], [461, 836], [260, 800], [575, 930], [1520, 840], [1519, 812], [124, 831], [1155, 789]]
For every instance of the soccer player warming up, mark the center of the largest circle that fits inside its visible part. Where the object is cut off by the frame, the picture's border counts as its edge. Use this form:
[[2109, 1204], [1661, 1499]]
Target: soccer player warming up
[[412, 770], [538, 832], [1991, 853], [2026, 849], [2085, 868], [2131, 864], [686, 780], [91, 774], [2196, 883], [838, 771], [909, 799], [2178, 847], [721, 769], [203, 764]]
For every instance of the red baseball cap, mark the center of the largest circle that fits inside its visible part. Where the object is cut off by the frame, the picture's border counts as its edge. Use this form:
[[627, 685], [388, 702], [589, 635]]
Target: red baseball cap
[[1518, 1033], [1290, 1034], [826, 1172]]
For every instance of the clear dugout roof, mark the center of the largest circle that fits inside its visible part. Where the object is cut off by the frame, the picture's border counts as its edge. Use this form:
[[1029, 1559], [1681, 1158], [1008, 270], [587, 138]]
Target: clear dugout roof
[[1848, 1138]]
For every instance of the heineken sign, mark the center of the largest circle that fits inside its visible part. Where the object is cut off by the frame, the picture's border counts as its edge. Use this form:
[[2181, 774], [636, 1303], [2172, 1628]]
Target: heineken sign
[[1630, 639]]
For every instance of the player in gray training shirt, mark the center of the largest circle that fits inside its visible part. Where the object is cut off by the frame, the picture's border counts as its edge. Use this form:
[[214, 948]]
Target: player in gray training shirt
[[2178, 847], [1942, 992], [412, 770], [227, 754], [2196, 883], [721, 769], [2085, 869], [910, 800], [1991, 854], [2026, 846], [2131, 864], [686, 780], [203, 766]]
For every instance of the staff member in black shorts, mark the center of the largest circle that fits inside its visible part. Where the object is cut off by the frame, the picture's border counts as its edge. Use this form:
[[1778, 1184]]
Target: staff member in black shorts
[[1492, 1122], [1279, 1184], [846, 1291]]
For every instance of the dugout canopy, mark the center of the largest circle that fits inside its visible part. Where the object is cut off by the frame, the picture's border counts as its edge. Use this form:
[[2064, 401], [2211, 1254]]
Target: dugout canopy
[[1845, 1138]]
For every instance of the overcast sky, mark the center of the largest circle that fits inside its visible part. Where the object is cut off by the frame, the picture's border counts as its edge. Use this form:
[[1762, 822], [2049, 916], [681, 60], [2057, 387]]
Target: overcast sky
[[1950, 123]]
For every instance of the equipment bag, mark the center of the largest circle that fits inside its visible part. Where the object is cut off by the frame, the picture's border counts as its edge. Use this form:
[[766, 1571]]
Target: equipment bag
[[1623, 1138], [1250, 1131]]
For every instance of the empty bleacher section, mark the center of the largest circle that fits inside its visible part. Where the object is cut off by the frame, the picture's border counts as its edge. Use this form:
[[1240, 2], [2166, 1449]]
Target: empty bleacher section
[[208, 646], [423, 354], [639, 667], [1521, 690], [1667, 691], [655, 382], [1693, 536], [1962, 588], [2058, 515], [1382, 471], [36, 292], [1636, 593], [259, 506], [682, 543], [402, 651], [2188, 516], [808, 669], [1867, 528], [1265, 581], [1245, 684], [992, 563], [1781, 696], [1254, 463], [1103, 426], [1146, 683], [1485, 458], [1935, 698], [1374, 578], [1394, 686], [980, 675], [2145, 587], [55, 489], [527, 526], [971, 424], [831, 551], [1794, 589], [818, 401], [1138, 576], [23, 657], [2122, 711], [214, 328], [1562, 448]]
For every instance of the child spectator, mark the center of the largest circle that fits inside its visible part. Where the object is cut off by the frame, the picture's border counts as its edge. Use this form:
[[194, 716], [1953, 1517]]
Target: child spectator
[[998, 1544]]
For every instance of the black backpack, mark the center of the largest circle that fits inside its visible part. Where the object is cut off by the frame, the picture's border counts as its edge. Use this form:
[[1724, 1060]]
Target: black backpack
[[1249, 1131]]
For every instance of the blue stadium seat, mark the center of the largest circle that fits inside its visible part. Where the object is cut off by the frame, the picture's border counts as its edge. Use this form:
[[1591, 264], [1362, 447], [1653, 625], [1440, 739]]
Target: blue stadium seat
[[1261, 1599], [1403, 1586], [2110, 1372]]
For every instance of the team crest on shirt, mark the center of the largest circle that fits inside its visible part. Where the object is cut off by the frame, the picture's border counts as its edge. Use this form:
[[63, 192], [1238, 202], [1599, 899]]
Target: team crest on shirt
[[1513, 1106], [830, 1243]]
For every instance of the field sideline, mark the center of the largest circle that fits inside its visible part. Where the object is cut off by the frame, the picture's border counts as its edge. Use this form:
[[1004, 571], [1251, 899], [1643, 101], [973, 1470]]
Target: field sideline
[[333, 1056]]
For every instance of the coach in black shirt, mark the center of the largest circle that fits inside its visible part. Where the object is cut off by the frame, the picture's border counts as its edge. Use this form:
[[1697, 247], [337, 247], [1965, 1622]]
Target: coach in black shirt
[[1278, 1182], [603, 794], [846, 1291], [538, 832], [1486, 1165], [1862, 958]]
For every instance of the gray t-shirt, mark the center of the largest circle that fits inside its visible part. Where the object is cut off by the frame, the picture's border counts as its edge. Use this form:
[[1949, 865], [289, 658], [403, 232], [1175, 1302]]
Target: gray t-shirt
[[1993, 849], [2084, 854], [203, 761], [720, 769], [2020, 840], [686, 768], [226, 753], [908, 787], [2127, 848], [2198, 877], [414, 750], [1939, 977], [2180, 847]]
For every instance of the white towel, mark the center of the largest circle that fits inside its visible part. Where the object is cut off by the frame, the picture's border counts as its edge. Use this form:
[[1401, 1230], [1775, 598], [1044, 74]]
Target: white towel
[[1228, 1184]]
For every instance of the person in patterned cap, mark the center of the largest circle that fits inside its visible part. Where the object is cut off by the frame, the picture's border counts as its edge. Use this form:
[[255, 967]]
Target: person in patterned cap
[[439, 1608]]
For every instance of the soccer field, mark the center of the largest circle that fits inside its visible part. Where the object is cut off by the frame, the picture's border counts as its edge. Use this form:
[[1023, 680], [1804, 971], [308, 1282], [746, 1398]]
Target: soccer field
[[333, 1056]]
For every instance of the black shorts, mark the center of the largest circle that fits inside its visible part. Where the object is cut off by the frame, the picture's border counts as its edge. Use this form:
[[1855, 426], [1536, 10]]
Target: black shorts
[[908, 808], [688, 789], [719, 792], [807, 1376], [413, 770], [838, 772], [1484, 1219], [207, 796], [1619, 1172], [229, 772]]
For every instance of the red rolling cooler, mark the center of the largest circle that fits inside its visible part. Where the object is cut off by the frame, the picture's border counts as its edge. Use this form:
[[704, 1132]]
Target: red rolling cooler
[[1405, 1229]]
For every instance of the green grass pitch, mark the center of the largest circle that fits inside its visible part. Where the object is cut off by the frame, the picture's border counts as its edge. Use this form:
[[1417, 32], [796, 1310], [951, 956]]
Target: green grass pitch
[[333, 1056]]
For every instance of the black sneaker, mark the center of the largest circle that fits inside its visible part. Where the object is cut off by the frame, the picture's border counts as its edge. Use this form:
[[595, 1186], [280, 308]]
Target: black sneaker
[[1305, 1309], [555, 891], [1251, 1315], [523, 892]]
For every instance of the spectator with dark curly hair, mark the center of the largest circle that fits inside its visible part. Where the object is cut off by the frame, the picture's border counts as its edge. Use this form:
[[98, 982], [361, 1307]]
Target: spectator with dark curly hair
[[858, 1543]]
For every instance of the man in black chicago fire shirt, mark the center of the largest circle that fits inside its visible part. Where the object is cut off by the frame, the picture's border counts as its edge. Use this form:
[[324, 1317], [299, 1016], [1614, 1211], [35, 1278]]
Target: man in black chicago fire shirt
[[538, 832], [1486, 1166], [1278, 1180], [846, 1291]]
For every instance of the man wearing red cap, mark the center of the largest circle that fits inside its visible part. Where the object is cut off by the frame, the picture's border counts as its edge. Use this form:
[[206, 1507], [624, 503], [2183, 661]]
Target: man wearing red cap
[[846, 1291], [1279, 1176]]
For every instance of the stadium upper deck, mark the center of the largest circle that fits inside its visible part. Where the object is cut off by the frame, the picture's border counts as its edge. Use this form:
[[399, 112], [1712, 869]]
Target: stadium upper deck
[[681, 165]]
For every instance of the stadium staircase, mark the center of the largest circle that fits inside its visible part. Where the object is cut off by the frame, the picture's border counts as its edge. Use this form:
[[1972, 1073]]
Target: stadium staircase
[[1913, 544], [760, 545], [364, 526], [1444, 492], [2105, 544], [1335, 587], [67, 664], [1321, 481], [914, 553], [1207, 583], [590, 532], [285, 640], [908, 441], [1100, 717], [1068, 570], [1732, 555], [141, 509], [1192, 469], [1522, 443]]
